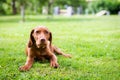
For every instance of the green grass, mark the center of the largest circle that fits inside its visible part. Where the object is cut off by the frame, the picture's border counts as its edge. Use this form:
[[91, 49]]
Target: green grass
[[94, 43]]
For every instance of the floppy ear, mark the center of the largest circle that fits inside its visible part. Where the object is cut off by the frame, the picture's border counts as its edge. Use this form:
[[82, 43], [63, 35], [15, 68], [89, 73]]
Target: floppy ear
[[50, 39], [31, 40]]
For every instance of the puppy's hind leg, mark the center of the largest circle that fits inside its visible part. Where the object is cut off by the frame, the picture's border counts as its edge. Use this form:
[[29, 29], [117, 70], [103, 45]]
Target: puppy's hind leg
[[58, 51]]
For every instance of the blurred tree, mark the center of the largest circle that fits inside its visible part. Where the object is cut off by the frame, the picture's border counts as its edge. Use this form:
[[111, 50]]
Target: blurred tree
[[73, 3], [42, 3], [32, 7], [2, 11], [8, 7], [111, 5], [14, 9], [50, 2], [47, 3], [35, 6], [22, 8]]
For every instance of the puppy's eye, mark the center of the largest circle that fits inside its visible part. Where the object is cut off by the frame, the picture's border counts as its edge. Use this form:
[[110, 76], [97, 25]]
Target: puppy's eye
[[37, 32], [46, 32]]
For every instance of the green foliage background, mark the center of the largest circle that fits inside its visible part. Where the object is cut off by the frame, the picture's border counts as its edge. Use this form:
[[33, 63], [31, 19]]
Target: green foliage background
[[35, 6], [111, 5]]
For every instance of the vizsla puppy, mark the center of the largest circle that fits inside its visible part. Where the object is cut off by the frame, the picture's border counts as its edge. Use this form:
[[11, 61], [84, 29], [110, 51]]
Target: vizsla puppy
[[40, 47]]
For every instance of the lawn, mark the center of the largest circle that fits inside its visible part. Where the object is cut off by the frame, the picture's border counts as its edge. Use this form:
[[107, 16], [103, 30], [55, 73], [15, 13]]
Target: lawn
[[93, 42]]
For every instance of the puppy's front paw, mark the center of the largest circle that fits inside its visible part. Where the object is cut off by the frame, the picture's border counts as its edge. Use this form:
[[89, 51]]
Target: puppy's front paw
[[54, 64], [24, 68]]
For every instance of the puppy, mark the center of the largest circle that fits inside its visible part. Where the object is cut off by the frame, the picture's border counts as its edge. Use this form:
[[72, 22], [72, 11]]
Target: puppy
[[40, 48]]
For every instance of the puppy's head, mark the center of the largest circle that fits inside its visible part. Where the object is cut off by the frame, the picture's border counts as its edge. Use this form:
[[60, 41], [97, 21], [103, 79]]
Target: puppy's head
[[40, 37]]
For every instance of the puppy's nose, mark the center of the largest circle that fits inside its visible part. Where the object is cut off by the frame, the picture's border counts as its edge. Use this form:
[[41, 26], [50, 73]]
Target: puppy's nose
[[42, 40]]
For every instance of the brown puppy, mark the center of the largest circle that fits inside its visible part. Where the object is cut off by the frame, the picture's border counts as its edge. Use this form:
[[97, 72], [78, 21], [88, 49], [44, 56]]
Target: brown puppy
[[40, 47]]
